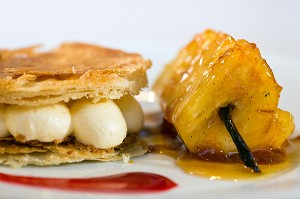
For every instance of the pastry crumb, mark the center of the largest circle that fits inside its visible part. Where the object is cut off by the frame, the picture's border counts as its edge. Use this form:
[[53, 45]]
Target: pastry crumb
[[126, 158], [73, 70]]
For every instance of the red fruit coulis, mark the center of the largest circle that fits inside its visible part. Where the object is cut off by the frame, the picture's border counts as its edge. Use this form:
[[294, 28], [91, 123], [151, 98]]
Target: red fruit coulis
[[135, 182]]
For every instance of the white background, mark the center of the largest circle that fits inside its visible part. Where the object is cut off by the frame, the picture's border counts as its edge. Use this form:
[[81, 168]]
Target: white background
[[273, 25], [152, 26]]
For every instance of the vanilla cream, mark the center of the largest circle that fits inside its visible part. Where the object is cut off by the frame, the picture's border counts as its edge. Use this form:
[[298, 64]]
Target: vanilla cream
[[44, 123], [103, 124], [132, 113]]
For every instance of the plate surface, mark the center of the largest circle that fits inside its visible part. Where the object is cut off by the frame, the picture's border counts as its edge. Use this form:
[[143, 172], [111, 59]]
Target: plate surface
[[158, 30]]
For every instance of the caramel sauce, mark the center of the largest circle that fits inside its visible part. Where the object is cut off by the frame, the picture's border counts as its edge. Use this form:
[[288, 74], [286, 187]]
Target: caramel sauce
[[216, 165]]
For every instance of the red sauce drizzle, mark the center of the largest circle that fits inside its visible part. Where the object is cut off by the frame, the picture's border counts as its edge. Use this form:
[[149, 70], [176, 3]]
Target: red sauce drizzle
[[135, 182]]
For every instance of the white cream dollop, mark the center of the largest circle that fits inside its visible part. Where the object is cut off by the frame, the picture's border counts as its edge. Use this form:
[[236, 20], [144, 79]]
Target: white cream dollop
[[3, 130], [101, 124], [44, 123], [132, 113]]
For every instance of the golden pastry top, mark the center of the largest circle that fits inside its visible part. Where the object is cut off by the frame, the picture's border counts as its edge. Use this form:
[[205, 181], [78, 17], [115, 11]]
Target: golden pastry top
[[70, 59], [72, 71]]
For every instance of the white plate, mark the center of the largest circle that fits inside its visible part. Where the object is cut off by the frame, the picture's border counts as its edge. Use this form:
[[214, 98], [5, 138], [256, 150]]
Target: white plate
[[157, 29], [281, 186]]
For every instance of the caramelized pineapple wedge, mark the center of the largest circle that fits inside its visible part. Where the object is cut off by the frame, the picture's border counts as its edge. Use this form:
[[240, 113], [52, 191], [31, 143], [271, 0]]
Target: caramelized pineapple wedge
[[213, 71]]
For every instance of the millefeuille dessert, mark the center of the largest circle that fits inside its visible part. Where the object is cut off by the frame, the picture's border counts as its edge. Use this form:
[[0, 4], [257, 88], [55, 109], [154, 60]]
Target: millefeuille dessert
[[222, 98], [70, 104]]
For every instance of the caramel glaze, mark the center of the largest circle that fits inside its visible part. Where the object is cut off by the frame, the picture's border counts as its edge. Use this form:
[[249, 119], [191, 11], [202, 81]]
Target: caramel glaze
[[216, 165]]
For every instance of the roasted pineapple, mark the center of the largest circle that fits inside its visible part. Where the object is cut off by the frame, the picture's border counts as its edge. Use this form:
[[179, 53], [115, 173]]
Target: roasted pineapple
[[213, 71]]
